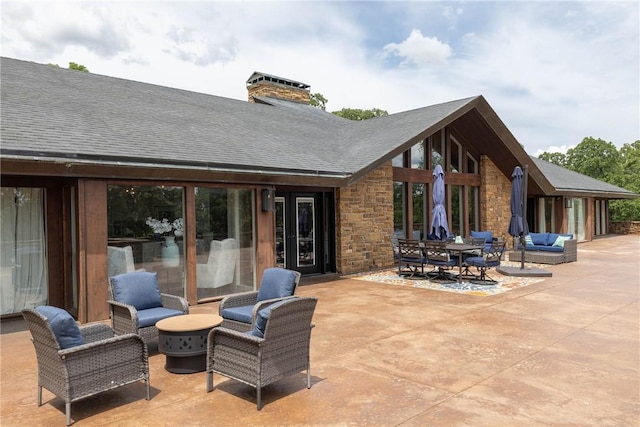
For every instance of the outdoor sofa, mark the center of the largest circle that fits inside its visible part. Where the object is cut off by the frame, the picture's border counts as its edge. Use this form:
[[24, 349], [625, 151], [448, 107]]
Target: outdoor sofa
[[547, 248]]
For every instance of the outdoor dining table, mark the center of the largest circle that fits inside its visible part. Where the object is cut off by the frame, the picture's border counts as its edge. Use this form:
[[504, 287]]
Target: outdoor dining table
[[460, 248]]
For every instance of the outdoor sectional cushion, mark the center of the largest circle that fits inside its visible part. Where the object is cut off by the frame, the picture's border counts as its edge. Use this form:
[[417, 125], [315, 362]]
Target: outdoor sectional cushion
[[64, 327], [276, 283], [487, 235], [150, 316], [239, 314], [262, 317], [545, 242], [139, 289]]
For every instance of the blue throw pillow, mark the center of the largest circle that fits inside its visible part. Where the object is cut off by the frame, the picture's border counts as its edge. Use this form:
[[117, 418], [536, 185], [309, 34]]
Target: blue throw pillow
[[64, 327], [276, 283], [139, 289], [487, 235], [539, 239], [262, 317]]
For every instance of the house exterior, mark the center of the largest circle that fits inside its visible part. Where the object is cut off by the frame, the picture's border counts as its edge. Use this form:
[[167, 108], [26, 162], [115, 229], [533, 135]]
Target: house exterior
[[90, 164]]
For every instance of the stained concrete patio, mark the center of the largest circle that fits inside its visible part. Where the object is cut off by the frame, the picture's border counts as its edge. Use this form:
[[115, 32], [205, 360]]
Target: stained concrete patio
[[565, 351]]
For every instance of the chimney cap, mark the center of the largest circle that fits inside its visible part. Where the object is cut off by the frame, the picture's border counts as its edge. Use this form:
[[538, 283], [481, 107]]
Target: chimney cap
[[258, 77]]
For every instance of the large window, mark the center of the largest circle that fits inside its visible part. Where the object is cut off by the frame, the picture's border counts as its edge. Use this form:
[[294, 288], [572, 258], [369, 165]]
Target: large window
[[224, 241], [23, 256], [412, 196], [145, 230]]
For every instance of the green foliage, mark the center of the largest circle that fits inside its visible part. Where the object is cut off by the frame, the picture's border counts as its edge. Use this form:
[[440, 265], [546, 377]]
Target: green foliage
[[359, 114], [601, 160], [595, 158], [318, 101], [559, 159], [78, 67]]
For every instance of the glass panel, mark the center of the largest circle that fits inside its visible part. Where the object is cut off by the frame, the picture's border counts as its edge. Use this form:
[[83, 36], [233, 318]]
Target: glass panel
[[305, 214], [397, 161], [455, 227], [419, 218], [472, 167], [575, 218], [456, 156], [473, 208], [23, 256], [597, 217], [224, 241], [145, 233], [281, 232], [398, 209], [437, 153], [417, 156]]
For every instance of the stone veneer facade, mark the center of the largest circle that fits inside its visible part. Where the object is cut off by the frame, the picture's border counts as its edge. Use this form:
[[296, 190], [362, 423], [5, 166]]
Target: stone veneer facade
[[364, 223], [276, 90], [495, 197]]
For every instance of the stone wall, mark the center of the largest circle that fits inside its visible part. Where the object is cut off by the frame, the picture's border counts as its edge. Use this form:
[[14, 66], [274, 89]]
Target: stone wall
[[275, 90], [624, 227], [364, 223], [495, 196]]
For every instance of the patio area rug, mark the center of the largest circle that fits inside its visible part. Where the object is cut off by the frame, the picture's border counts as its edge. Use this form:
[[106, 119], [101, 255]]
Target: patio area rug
[[504, 283]]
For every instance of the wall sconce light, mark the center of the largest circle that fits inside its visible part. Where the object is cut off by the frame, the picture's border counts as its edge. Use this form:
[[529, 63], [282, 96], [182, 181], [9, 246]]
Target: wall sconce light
[[267, 200], [568, 203]]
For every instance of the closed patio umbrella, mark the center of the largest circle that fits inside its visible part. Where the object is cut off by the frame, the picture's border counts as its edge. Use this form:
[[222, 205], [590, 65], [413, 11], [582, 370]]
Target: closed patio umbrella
[[518, 224], [439, 224]]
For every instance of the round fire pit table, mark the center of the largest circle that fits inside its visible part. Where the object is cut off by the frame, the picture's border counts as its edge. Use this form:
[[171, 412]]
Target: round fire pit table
[[183, 340]]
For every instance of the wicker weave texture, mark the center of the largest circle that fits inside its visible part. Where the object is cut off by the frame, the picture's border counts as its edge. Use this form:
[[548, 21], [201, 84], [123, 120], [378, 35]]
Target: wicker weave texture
[[282, 352], [569, 254], [124, 317], [104, 362]]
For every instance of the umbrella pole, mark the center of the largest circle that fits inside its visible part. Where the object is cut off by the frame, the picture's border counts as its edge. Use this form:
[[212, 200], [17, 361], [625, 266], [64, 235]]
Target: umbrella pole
[[524, 213]]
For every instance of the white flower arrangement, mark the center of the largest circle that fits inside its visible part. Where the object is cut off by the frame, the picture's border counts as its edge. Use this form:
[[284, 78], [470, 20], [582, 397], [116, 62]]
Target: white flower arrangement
[[165, 227]]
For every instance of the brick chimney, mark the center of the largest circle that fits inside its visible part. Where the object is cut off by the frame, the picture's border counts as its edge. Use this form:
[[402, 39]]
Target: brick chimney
[[261, 84]]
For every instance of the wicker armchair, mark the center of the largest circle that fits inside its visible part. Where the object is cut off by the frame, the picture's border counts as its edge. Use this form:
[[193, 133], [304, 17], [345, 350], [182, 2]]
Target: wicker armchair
[[239, 311], [102, 363], [133, 313], [259, 361]]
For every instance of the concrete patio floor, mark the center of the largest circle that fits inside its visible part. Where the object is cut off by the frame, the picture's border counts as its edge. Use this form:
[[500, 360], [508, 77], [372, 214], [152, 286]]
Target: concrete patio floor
[[564, 351]]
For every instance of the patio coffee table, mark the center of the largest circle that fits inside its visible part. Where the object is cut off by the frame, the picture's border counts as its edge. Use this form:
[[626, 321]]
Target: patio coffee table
[[183, 340]]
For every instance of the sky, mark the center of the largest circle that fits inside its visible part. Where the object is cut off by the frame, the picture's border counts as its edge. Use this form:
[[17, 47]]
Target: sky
[[554, 72]]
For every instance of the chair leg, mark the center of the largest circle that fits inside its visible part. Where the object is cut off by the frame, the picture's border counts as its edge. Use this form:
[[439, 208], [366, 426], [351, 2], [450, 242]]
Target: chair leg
[[209, 381], [258, 397], [148, 389], [67, 408], [39, 395], [308, 377]]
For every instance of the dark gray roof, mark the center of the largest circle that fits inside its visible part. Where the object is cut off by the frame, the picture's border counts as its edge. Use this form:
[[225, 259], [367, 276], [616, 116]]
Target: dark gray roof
[[71, 118], [568, 182], [60, 113]]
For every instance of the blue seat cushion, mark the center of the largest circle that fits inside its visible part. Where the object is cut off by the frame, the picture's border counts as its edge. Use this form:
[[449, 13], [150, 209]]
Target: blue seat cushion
[[276, 283], [478, 261], [549, 248], [150, 316], [539, 239], [139, 289], [239, 314], [487, 235], [64, 327], [262, 317]]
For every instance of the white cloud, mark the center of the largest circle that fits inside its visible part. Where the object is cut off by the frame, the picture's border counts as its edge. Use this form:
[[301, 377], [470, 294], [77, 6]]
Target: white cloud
[[418, 50]]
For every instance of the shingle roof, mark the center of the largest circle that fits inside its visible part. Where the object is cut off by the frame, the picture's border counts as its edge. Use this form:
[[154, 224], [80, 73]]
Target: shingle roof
[[50, 111], [573, 183], [55, 114]]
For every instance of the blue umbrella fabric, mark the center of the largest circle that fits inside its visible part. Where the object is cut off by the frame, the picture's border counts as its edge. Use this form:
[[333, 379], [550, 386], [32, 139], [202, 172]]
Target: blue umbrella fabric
[[439, 224], [517, 224]]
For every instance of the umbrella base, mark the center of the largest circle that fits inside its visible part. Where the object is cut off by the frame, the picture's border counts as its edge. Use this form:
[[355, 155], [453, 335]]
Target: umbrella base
[[526, 272]]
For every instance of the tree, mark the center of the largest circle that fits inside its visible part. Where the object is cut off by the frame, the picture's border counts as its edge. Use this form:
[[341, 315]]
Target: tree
[[595, 158], [72, 66], [359, 114], [318, 101], [78, 67], [601, 160], [559, 159]]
